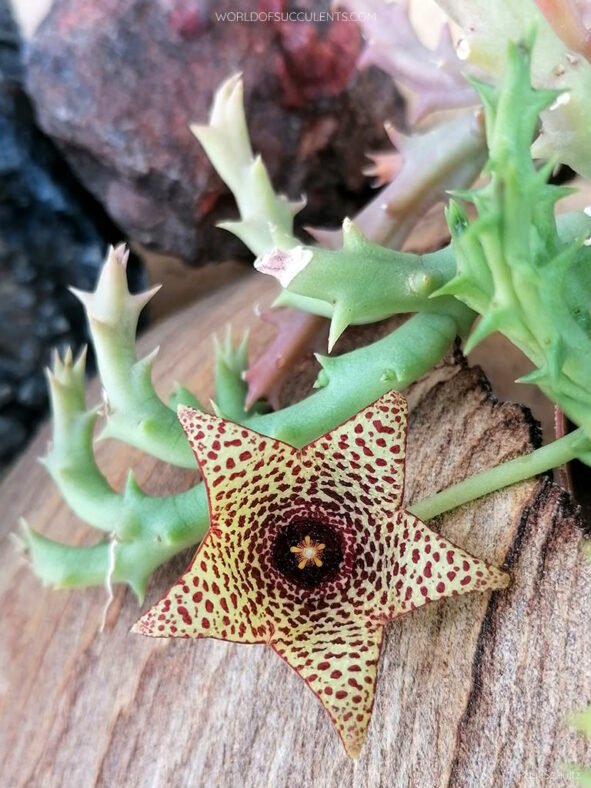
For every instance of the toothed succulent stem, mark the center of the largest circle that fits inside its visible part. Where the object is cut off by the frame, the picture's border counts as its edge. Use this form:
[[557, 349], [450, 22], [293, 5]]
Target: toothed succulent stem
[[70, 459], [266, 219], [448, 156], [360, 283], [230, 387], [351, 381], [65, 566], [133, 411], [524, 271], [148, 529]]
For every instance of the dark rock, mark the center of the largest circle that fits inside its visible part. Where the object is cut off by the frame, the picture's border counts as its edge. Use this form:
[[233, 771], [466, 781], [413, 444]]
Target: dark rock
[[52, 234], [117, 85], [32, 393], [6, 393], [13, 434]]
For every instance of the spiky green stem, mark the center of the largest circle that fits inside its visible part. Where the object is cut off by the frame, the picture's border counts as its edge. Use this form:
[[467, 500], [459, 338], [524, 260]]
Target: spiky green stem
[[148, 529], [230, 386], [526, 273], [360, 283], [266, 218], [450, 155], [133, 411], [66, 566], [349, 382]]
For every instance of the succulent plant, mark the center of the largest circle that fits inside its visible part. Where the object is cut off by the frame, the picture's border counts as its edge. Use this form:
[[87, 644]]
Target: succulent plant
[[515, 265]]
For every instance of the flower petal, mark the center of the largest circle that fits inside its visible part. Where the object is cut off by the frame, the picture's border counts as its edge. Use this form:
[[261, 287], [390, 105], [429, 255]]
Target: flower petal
[[366, 454], [231, 457], [338, 660], [427, 566], [212, 599]]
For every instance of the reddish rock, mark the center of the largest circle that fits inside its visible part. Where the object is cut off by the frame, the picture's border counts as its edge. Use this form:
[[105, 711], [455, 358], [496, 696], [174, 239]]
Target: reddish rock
[[117, 84]]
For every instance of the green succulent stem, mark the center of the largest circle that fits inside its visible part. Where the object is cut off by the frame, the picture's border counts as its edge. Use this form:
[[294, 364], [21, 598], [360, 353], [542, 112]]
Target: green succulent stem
[[147, 530], [349, 382], [526, 272], [166, 526], [543, 459], [363, 282], [133, 411], [230, 387], [65, 566], [266, 218]]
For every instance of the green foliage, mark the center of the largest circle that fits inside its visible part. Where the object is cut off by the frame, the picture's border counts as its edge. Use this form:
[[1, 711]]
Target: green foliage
[[230, 388], [363, 282], [528, 277], [133, 411], [266, 218], [144, 531]]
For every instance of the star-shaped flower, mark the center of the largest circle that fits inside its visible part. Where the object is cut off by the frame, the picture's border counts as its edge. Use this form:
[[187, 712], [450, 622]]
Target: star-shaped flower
[[311, 552]]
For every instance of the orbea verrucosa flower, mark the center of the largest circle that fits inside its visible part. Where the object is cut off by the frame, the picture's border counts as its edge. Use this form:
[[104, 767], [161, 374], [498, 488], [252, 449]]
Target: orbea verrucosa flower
[[311, 552]]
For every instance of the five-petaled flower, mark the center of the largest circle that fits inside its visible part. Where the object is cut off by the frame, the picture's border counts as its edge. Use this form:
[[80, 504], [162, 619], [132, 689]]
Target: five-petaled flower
[[311, 552]]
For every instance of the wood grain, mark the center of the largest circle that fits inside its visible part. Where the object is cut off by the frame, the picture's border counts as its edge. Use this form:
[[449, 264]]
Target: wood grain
[[473, 691]]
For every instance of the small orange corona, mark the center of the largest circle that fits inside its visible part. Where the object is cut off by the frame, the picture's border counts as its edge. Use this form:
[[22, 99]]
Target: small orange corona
[[308, 552]]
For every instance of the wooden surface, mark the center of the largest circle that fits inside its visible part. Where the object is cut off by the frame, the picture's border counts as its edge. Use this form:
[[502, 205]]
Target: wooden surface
[[472, 691]]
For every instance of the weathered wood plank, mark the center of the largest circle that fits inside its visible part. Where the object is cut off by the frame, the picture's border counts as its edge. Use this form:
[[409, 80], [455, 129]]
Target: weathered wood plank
[[472, 691], [533, 665]]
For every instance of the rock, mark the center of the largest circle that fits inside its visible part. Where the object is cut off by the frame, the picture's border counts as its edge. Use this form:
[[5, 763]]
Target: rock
[[12, 433], [52, 234], [117, 84]]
